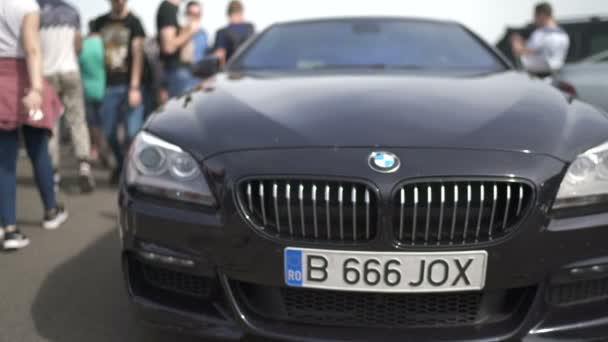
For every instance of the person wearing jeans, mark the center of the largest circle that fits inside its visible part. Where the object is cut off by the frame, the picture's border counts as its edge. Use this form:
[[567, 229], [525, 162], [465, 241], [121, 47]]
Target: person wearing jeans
[[173, 40], [123, 36], [116, 110], [93, 73], [36, 143], [30, 106]]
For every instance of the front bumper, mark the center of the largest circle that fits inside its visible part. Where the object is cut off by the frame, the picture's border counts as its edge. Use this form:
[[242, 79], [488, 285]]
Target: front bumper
[[224, 251]]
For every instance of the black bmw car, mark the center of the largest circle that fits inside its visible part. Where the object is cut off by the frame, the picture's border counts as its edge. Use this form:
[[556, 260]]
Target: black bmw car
[[370, 179]]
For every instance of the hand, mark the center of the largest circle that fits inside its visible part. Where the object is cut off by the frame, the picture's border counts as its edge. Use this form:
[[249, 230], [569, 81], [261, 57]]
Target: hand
[[134, 97], [194, 25], [32, 101], [163, 95], [517, 44], [516, 36]]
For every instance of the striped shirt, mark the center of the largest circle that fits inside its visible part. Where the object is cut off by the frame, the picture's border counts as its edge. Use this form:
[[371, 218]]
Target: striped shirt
[[59, 24]]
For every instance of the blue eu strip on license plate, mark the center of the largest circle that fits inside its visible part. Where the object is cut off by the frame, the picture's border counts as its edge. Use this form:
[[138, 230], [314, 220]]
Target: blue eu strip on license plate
[[294, 272]]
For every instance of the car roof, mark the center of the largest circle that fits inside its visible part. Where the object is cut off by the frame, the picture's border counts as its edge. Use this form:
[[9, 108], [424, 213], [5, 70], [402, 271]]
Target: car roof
[[568, 21], [583, 20], [365, 18], [595, 58]]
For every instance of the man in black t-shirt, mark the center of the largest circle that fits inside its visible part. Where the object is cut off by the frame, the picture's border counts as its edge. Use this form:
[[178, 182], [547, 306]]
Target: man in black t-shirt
[[172, 39], [123, 36], [231, 37]]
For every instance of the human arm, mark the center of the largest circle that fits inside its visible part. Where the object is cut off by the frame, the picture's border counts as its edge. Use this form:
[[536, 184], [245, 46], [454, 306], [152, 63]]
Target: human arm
[[77, 34], [221, 48], [171, 41], [78, 43], [33, 56], [137, 46], [171, 37], [519, 47], [138, 36]]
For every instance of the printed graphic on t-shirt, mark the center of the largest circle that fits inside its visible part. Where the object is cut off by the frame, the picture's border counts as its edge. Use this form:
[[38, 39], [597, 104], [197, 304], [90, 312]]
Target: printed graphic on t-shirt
[[116, 39], [58, 13]]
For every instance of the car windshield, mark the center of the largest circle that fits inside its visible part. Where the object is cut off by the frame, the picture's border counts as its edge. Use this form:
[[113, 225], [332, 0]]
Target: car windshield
[[367, 43]]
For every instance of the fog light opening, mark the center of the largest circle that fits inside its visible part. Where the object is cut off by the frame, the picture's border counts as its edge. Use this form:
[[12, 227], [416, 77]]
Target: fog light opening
[[589, 270], [167, 260]]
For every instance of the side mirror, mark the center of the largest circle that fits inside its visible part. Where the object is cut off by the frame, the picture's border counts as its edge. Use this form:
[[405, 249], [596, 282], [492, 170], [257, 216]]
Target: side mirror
[[206, 68]]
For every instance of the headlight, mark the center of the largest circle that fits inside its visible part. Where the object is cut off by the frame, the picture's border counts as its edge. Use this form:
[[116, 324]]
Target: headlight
[[159, 168], [586, 183]]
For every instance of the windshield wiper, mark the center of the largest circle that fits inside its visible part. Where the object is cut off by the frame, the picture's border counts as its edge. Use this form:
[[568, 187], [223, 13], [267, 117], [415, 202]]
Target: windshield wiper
[[344, 66], [362, 66], [335, 67]]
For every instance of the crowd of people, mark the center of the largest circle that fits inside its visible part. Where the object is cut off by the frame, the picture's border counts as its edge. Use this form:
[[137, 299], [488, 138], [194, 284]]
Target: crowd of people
[[99, 88]]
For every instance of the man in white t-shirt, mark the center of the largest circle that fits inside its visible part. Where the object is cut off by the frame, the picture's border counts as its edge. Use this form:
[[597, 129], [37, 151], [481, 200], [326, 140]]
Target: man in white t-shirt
[[546, 50], [61, 41]]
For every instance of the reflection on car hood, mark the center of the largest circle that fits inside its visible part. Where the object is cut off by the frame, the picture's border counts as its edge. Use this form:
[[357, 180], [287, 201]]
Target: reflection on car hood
[[506, 111]]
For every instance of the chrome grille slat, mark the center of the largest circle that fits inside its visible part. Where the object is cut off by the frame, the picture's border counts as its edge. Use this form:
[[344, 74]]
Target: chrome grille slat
[[415, 216], [354, 203], [468, 214], [482, 197], [367, 215], [263, 203], [454, 214], [492, 209], [494, 203], [302, 217], [310, 210], [439, 234], [314, 210], [327, 210], [520, 199], [401, 214], [250, 197], [341, 201], [288, 198], [506, 216], [429, 202], [275, 197]]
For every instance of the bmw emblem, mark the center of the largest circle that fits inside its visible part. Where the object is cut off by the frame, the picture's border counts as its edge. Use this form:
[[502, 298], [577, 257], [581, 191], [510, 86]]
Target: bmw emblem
[[384, 162]]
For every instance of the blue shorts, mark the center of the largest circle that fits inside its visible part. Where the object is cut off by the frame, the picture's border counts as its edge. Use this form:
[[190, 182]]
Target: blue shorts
[[93, 109]]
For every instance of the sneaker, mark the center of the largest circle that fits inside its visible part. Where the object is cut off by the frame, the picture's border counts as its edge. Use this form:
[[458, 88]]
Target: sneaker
[[87, 181], [53, 219], [14, 239]]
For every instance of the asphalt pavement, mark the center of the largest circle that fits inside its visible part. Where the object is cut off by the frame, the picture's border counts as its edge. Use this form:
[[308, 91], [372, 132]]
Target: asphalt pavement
[[67, 286]]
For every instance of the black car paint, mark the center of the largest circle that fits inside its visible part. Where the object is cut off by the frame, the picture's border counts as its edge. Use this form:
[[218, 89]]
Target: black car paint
[[441, 125], [505, 111]]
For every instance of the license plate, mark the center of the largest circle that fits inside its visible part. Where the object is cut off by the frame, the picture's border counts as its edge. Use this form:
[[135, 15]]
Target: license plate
[[385, 272]]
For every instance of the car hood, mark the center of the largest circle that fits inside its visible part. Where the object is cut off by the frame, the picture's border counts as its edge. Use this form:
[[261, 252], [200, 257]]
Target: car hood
[[504, 111]]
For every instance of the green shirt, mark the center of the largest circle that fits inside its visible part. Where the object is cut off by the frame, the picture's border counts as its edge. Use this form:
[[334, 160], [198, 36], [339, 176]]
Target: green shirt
[[92, 68]]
